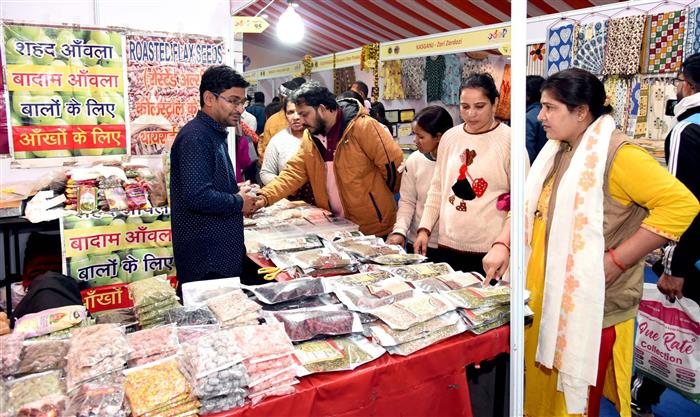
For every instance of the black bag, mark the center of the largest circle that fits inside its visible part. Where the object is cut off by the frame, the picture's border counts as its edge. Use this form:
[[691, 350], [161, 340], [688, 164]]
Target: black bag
[[48, 290]]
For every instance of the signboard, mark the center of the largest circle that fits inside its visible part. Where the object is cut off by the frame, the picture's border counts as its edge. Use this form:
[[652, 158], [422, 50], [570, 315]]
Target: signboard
[[470, 40], [4, 142], [278, 71], [164, 75], [110, 297], [249, 24], [66, 92], [342, 60], [110, 248]]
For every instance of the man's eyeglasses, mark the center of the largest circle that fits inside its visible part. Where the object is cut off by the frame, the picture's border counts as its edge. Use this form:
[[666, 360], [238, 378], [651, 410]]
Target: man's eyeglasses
[[235, 101], [678, 80]]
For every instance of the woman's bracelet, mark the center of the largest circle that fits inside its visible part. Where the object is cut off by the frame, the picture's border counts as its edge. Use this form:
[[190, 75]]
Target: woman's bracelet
[[498, 242], [615, 260]]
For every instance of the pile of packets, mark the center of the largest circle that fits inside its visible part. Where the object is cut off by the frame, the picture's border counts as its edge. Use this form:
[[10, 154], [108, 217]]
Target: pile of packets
[[150, 345], [94, 351], [159, 389], [234, 308], [152, 297], [212, 365]]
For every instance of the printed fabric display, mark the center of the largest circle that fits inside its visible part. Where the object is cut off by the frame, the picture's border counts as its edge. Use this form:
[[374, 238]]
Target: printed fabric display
[[640, 128], [535, 59], [477, 66], [589, 47], [692, 37], [658, 124], [412, 72], [344, 78], [559, 45], [434, 73], [503, 107], [452, 80], [634, 106], [666, 42], [617, 90], [624, 45], [393, 90]]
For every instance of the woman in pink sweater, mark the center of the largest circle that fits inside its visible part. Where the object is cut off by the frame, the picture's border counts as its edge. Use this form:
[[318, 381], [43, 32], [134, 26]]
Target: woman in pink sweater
[[470, 182]]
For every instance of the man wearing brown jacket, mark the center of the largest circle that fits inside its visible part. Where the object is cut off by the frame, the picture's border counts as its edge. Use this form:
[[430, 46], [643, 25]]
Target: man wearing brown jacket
[[349, 159]]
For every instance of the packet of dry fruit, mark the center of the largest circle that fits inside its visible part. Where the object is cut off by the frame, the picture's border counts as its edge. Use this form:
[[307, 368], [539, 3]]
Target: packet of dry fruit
[[354, 280], [365, 298], [43, 356], [408, 312], [294, 244], [386, 336], [307, 323], [32, 388], [278, 292], [482, 316], [196, 293], [50, 406], [87, 199], [10, 353], [324, 258], [337, 354], [473, 297], [399, 259], [420, 271], [431, 338], [51, 320]]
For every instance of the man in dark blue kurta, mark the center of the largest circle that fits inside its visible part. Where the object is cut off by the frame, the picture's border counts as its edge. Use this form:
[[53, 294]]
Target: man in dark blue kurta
[[207, 205]]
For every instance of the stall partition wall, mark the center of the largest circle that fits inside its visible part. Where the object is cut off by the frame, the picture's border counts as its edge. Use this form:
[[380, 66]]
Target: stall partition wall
[[202, 17]]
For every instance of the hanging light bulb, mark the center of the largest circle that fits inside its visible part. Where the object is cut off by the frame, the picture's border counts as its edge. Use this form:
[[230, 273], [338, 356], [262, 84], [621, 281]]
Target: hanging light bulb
[[290, 27]]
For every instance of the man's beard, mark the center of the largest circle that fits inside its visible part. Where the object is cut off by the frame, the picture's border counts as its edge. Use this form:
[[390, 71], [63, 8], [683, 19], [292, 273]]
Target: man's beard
[[320, 128]]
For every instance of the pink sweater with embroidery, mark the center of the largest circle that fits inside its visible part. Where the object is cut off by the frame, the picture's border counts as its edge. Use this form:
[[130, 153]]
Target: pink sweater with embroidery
[[470, 224]]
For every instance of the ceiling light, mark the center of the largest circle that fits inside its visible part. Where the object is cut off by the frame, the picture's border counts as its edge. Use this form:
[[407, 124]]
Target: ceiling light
[[290, 27]]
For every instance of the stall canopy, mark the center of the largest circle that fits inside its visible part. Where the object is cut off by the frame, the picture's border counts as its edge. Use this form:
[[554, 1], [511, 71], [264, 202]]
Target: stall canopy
[[339, 25]]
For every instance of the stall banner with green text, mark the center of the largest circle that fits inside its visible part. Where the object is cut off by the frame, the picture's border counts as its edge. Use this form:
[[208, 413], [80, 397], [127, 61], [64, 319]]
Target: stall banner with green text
[[4, 143], [110, 248], [66, 90], [164, 75]]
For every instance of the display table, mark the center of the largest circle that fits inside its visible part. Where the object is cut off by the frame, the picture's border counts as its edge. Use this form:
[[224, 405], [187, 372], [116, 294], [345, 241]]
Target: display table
[[429, 382]]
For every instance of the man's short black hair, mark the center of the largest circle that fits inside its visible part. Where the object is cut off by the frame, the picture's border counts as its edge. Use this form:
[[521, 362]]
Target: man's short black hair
[[259, 97], [313, 94], [362, 87], [533, 88], [691, 71], [219, 78]]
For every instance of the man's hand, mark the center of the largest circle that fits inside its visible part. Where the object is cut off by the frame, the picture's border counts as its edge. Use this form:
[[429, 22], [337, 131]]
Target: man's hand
[[395, 239], [249, 203], [259, 203], [670, 286]]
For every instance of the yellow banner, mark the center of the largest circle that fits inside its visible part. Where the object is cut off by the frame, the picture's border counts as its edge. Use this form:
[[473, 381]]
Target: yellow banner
[[492, 38], [342, 60], [63, 78], [115, 237], [249, 24], [287, 70]]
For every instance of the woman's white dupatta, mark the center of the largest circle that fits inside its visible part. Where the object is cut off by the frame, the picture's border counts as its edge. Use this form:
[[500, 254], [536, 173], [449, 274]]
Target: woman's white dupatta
[[574, 292]]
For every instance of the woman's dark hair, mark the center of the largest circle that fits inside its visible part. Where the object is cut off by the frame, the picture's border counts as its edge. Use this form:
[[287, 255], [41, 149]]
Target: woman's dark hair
[[377, 110], [351, 94], [272, 108], [483, 81], [313, 94], [218, 78], [691, 71], [362, 87], [576, 87], [434, 120], [533, 88]]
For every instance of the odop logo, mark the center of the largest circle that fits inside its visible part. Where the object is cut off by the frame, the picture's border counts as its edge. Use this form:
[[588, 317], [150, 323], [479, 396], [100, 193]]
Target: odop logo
[[498, 34]]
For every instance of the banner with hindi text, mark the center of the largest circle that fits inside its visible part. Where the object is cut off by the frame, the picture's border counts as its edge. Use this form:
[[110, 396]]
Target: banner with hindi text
[[164, 74], [111, 248], [66, 92]]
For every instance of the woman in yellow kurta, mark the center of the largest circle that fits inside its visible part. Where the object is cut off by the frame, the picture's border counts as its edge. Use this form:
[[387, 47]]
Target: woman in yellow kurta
[[595, 206]]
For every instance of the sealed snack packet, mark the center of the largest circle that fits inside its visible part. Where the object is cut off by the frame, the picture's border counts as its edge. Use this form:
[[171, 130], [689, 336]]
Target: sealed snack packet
[[410, 311], [278, 292], [387, 337], [336, 354], [308, 323], [51, 320], [431, 338]]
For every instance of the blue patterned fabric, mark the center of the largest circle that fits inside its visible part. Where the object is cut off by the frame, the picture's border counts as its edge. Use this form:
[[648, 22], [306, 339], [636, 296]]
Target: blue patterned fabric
[[692, 39], [589, 47], [559, 48]]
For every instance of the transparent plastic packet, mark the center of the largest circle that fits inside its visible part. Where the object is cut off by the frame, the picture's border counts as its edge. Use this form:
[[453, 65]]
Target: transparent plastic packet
[[122, 316], [31, 388], [183, 316], [187, 334], [221, 403], [321, 259], [229, 306], [221, 382], [365, 298], [195, 294], [278, 292], [102, 397], [399, 259], [211, 353], [11, 346], [482, 316], [90, 345], [274, 392], [293, 244], [367, 247], [335, 354], [49, 406], [386, 336], [263, 341], [308, 323], [419, 271], [264, 380], [478, 297], [150, 290], [408, 312], [50, 320], [430, 339], [144, 343], [361, 279], [155, 385], [305, 302], [43, 356], [490, 326], [78, 375], [268, 364]]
